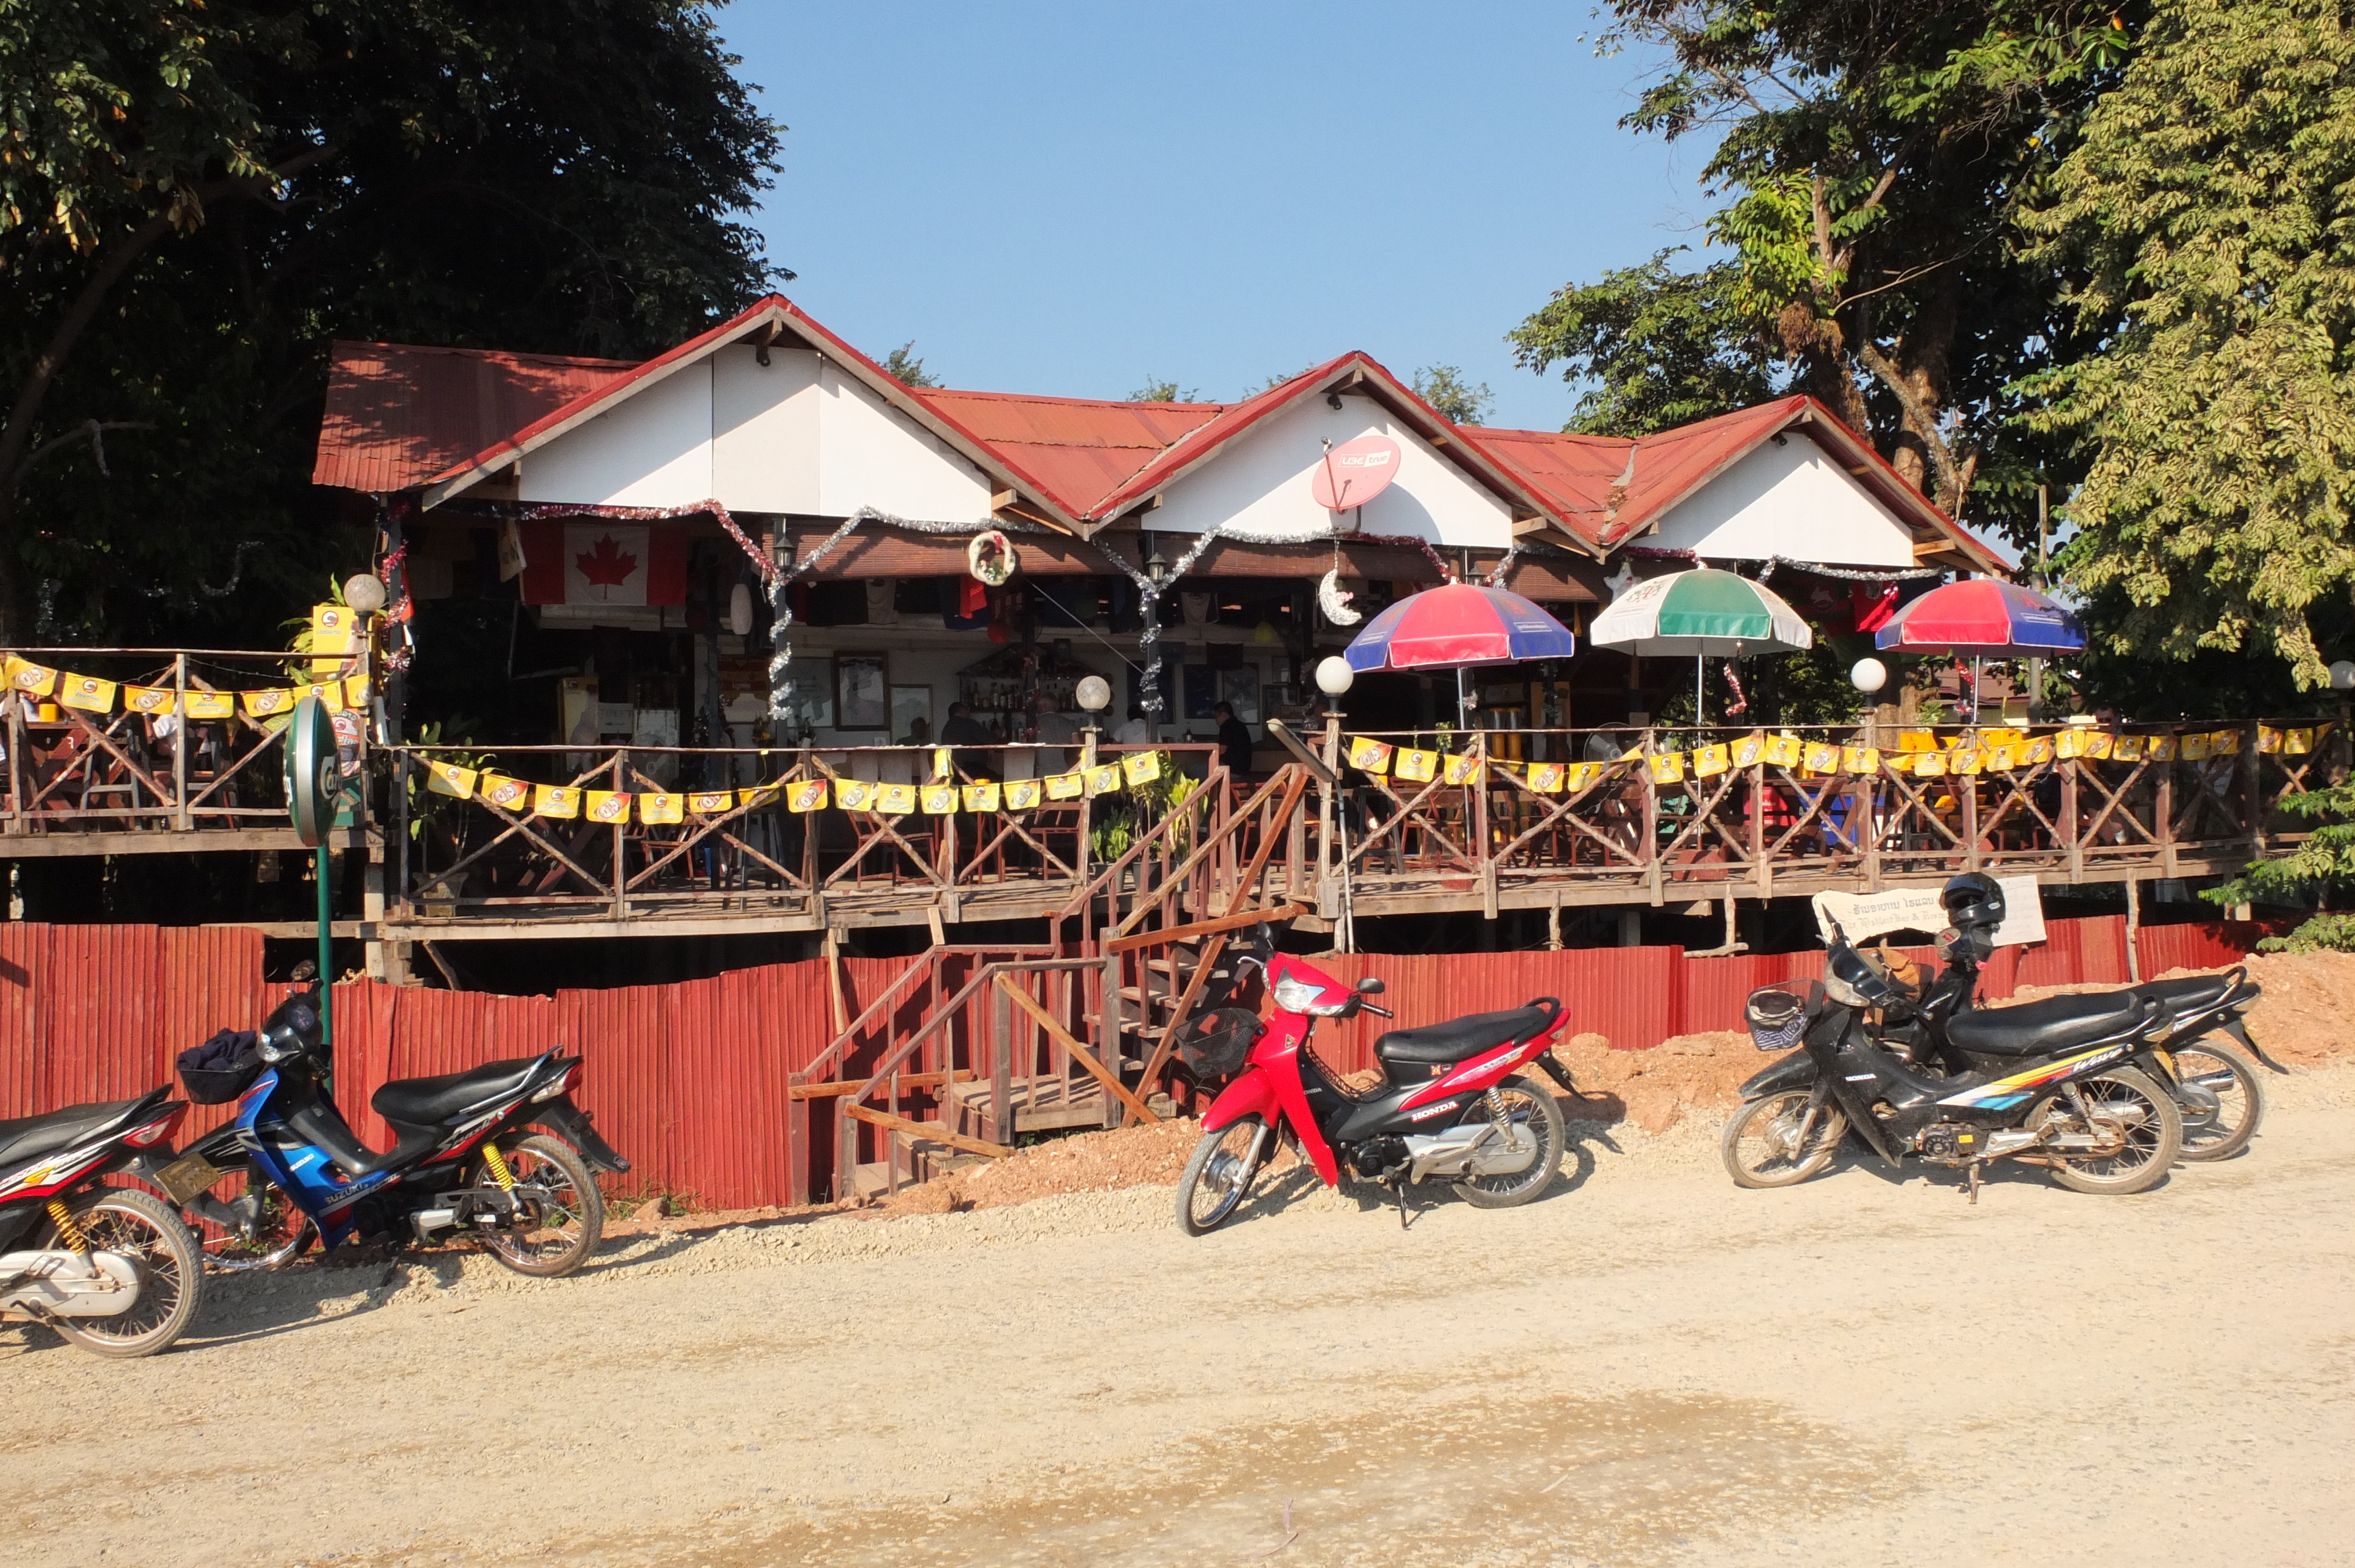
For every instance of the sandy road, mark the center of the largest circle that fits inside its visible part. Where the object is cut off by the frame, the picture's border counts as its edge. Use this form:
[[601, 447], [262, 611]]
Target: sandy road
[[1648, 1366]]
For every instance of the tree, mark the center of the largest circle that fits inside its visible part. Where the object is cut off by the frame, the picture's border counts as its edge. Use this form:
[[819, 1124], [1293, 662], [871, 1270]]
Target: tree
[[905, 366], [193, 202], [1875, 154], [2316, 874], [1445, 388], [1663, 348], [2210, 211], [1159, 391]]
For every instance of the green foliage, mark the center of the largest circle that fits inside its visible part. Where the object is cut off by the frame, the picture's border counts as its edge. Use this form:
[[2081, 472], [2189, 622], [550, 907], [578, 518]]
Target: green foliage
[[2210, 208], [2318, 934], [1445, 388], [1662, 347], [905, 366], [193, 202], [2317, 870], [1157, 391]]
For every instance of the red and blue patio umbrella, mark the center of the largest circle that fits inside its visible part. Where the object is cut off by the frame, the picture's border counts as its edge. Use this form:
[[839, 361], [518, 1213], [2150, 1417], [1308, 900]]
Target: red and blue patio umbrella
[[1985, 617], [1456, 626]]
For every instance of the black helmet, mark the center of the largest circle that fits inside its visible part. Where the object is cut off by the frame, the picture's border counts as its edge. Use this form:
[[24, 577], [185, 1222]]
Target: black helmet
[[1973, 899]]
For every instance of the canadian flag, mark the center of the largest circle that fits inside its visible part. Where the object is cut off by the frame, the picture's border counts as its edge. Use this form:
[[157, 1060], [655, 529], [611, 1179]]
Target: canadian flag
[[602, 563]]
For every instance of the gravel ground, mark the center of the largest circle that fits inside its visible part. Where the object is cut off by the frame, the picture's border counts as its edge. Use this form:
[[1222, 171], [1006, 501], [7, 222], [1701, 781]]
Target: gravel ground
[[1648, 1366]]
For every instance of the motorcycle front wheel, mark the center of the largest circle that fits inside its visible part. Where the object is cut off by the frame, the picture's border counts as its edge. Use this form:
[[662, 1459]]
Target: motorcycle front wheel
[[171, 1273], [2231, 1077], [1220, 1174], [1762, 1142], [2134, 1121], [1527, 1112]]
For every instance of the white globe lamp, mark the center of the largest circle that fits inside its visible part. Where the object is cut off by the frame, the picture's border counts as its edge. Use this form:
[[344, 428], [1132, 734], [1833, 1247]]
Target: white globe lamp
[[1334, 675], [2342, 676], [1094, 693], [1869, 676], [364, 591]]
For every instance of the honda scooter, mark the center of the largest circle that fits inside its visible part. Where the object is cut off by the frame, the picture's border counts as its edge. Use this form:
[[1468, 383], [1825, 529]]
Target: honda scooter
[[499, 1152], [1451, 1105]]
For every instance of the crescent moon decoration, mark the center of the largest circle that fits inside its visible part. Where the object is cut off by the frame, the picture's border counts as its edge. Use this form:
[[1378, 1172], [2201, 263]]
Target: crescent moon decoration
[[1335, 602]]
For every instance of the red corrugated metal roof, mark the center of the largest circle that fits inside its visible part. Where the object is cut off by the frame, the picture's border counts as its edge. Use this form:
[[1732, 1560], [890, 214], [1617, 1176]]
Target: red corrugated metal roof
[[1080, 448], [399, 414]]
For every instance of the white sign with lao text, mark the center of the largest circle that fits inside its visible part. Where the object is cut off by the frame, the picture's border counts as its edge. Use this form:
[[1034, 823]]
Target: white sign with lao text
[[1867, 915]]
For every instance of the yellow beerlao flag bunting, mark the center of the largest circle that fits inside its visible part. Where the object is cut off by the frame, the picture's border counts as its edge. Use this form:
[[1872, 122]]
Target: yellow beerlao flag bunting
[[2004, 757], [940, 800], [854, 794], [2224, 742], [329, 692], [1023, 794], [760, 794], [357, 691], [2097, 743], [267, 704], [660, 809], [1965, 760], [33, 680], [87, 693], [711, 803], [981, 797], [2269, 740], [805, 795], [559, 800], [148, 700], [895, 800], [2037, 751], [2071, 742], [449, 778], [508, 794], [1782, 750], [1104, 780], [1822, 757], [212, 704], [1546, 777], [1668, 766], [2194, 749], [1929, 765], [332, 630], [1368, 755], [609, 806], [1138, 768], [943, 762], [1749, 750], [2158, 748], [2126, 749], [1462, 767], [1579, 776], [1917, 740], [1861, 759], [1413, 767], [1709, 761], [2297, 742], [1065, 785], [1897, 761]]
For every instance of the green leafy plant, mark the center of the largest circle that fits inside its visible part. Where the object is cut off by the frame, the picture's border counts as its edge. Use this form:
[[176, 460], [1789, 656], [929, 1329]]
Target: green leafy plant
[[2318, 871]]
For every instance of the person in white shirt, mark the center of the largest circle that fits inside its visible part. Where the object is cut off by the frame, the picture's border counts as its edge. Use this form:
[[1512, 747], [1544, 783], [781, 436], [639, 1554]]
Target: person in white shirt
[[1137, 731]]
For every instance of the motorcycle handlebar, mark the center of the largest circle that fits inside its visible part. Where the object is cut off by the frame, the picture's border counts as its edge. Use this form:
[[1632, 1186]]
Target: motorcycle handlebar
[[1377, 1011]]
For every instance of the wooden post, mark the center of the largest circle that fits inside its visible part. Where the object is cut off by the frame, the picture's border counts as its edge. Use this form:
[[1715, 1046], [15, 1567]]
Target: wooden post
[[1111, 1013], [2072, 826], [1485, 855], [621, 846], [180, 749], [16, 702], [1001, 1067], [2163, 802], [2134, 930], [2251, 791]]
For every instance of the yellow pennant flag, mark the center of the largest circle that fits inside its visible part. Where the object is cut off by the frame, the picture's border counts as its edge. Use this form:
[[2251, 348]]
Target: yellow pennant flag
[[1579, 776], [1668, 766], [1822, 757], [508, 794], [1917, 740], [806, 795], [1861, 759], [2160, 747], [267, 704], [1749, 750], [2269, 740], [1066, 786], [449, 778], [1929, 765], [1140, 767], [332, 629], [2224, 742], [148, 700], [1782, 750], [760, 794], [87, 693], [357, 691], [940, 800], [943, 762], [2194, 749], [2037, 751], [2126, 749], [1897, 761], [1368, 755], [212, 704], [2006, 757], [2097, 743], [1104, 780], [854, 794], [558, 801], [1023, 794], [609, 806], [2071, 742], [1709, 761], [1547, 778], [33, 680], [1965, 760], [329, 692], [1462, 767], [2297, 742], [895, 800], [1409, 766], [660, 808], [711, 803], [981, 797]]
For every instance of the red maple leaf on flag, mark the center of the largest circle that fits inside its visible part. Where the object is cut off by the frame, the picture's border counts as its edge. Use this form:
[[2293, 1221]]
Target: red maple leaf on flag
[[608, 564]]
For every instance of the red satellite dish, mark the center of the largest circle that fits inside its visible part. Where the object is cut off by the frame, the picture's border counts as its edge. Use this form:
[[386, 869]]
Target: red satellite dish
[[1355, 473]]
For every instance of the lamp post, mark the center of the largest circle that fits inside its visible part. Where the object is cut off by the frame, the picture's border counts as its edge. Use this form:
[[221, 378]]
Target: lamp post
[[1333, 677], [1094, 694]]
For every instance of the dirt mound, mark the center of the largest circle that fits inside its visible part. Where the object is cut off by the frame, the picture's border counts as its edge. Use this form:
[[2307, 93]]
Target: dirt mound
[[2302, 1019], [1089, 1163]]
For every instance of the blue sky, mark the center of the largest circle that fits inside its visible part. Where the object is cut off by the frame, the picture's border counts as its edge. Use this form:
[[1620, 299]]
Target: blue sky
[[1072, 198]]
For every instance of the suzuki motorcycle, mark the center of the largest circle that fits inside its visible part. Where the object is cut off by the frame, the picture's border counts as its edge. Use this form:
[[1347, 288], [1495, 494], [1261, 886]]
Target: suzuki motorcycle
[[110, 1269], [1451, 1105], [499, 1152], [2067, 1097]]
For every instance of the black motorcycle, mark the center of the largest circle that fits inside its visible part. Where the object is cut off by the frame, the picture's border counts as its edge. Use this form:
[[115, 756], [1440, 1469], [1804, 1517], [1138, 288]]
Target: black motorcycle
[[2067, 1099], [499, 1152], [110, 1267]]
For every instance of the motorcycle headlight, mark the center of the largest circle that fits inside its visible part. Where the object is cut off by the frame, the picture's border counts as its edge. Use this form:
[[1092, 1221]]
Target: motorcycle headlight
[[1850, 980], [1296, 995]]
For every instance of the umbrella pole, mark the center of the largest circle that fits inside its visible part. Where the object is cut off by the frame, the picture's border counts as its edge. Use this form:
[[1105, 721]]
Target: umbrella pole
[[1463, 701], [1700, 715]]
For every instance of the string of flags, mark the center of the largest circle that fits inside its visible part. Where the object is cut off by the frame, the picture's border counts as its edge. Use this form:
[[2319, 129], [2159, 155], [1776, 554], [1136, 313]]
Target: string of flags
[[1919, 753], [938, 797], [94, 695]]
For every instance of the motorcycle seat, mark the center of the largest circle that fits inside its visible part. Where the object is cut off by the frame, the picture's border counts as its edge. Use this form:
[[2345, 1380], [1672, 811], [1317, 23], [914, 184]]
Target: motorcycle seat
[[1443, 1045], [2192, 993], [29, 1138], [2043, 1028], [430, 1102]]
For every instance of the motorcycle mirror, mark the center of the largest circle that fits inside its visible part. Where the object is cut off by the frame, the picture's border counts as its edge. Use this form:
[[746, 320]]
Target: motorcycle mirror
[[305, 972], [1369, 986]]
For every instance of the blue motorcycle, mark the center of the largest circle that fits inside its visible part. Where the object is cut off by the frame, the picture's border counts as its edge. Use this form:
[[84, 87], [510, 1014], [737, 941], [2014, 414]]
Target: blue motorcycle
[[499, 1153]]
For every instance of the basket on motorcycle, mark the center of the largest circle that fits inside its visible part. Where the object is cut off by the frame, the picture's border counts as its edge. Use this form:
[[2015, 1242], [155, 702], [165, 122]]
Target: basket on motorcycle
[[221, 1069], [1217, 1043], [1777, 1015]]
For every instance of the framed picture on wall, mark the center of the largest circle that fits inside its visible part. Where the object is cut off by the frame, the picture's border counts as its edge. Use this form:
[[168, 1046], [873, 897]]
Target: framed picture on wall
[[862, 692], [909, 703]]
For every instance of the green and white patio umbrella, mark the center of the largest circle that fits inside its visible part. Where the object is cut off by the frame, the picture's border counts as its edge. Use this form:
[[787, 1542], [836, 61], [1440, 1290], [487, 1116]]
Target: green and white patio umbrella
[[1706, 613]]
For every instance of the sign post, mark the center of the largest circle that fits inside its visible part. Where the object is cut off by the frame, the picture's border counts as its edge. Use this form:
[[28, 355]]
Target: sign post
[[314, 781]]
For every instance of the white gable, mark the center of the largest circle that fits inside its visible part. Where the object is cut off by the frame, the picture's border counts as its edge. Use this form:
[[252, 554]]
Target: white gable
[[1794, 501], [794, 436], [1258, 484]]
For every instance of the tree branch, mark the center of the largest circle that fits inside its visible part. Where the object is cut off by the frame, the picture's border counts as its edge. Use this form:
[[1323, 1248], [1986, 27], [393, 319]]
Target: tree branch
[[91, 431], [1942, 457]]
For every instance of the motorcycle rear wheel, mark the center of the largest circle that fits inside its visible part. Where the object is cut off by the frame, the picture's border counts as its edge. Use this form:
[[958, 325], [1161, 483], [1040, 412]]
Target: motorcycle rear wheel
[[568, 1222], [2223, 1071], [1218, 1175], [1760, 1141], [2153, 1133], [1532, 1112], [119, 1219]]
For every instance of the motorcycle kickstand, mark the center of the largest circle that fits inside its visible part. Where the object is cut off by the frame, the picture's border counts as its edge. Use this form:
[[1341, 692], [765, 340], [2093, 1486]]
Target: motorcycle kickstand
[[1977, 1166], [1398, 1191]]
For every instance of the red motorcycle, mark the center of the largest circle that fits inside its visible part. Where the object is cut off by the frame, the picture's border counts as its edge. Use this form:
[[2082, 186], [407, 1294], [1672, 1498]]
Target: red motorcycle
[[1451, 1105]]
